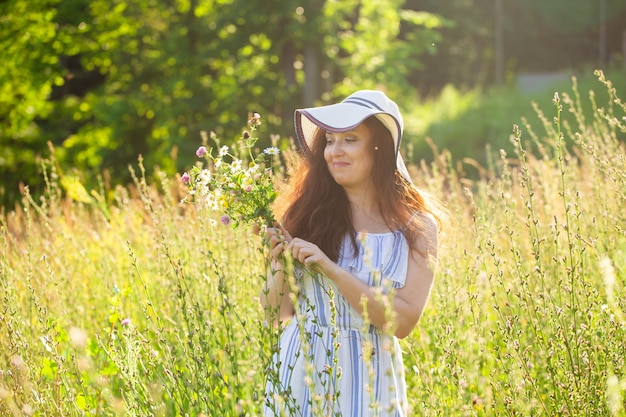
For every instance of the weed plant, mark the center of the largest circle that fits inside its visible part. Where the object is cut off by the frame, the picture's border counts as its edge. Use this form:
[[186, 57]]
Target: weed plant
[[124, 302]]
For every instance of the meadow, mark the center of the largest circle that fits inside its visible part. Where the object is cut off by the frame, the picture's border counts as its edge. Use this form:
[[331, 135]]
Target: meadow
[[121, 301]]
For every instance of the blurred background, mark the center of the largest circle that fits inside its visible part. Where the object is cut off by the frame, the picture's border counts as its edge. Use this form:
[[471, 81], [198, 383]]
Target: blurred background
[[100, 82]]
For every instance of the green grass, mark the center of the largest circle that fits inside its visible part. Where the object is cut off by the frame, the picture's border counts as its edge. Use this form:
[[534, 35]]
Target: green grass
[[466, 122], [135, 305]]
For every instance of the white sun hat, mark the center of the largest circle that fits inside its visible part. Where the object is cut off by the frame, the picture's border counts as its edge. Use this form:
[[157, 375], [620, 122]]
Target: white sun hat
[[345, 116]]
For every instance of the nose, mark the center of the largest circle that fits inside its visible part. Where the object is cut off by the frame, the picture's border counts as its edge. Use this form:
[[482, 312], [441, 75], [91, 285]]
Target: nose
[[336, 148]]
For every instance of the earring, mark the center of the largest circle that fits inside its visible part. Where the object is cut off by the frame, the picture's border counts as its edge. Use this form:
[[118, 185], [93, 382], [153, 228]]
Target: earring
[[375, 148]]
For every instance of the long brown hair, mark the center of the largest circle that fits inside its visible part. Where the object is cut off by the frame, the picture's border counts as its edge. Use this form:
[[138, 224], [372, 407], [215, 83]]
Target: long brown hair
[[318, 210]]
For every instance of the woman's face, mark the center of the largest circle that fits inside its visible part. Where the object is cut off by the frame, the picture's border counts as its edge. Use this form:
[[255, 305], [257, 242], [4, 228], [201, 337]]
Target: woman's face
[[349, 156]]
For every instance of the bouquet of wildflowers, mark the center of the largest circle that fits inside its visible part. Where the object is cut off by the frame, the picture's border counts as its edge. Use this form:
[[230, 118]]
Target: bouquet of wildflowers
[[241, 190]]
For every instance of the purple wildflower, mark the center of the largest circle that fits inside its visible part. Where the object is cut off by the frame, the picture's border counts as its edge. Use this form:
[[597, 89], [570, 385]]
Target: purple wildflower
[[185, 178], [201, 152], [225, 220]]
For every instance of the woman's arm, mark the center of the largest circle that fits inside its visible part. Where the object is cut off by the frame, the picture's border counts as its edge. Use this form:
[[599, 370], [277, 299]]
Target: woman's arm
[[275, 295], [408, 302]]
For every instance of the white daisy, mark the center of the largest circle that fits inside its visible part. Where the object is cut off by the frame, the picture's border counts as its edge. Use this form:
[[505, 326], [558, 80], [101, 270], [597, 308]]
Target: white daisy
[[271, 151]]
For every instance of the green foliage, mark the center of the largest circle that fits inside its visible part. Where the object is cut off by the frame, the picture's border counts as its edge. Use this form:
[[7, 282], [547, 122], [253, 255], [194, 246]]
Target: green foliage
[[468, 122], [29, 52], [579, 15], [364, 41], [107, 81]]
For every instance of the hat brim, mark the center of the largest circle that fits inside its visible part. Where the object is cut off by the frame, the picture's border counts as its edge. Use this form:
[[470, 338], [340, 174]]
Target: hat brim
[[340, 117]]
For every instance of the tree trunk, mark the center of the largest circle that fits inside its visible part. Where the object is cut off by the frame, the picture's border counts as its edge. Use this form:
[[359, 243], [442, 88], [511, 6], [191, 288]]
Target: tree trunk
[[311, 91]]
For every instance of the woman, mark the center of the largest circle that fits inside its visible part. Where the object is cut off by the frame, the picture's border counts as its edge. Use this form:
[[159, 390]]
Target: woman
[[364, 242]]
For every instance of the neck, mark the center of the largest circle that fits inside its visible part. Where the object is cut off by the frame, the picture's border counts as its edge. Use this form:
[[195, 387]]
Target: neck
[[362, 200], [366, 215]]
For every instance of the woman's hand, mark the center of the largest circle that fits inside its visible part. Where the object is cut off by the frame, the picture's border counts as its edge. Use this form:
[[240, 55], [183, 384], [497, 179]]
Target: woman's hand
[[278, 238], [311, 256], [275, 293]]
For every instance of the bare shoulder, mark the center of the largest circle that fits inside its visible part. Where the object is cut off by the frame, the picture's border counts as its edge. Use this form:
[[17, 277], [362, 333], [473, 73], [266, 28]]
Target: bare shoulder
[[426, 222], [427, 239]]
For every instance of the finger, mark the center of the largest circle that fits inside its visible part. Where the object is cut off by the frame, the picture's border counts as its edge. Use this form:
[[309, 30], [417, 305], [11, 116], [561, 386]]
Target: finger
[[270, 231], [295, 251], [274, 237], [276, 253], [305, 254], [277, 250], [311, 262], [277, 242], [295, 242], [302, 255], [286, 233]]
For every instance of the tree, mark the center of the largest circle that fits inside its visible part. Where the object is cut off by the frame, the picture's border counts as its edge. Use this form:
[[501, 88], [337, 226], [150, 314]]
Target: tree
[[30, 45], [107, 80]]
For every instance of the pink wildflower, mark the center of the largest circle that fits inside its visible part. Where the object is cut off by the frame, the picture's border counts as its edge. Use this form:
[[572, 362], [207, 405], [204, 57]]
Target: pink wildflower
[[225, 220], [126, 322], [248, 188], [255, 119], [201, 152], [185, 178]]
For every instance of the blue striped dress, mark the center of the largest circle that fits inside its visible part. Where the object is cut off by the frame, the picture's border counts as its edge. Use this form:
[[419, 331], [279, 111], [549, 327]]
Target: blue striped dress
[[330, 362]]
